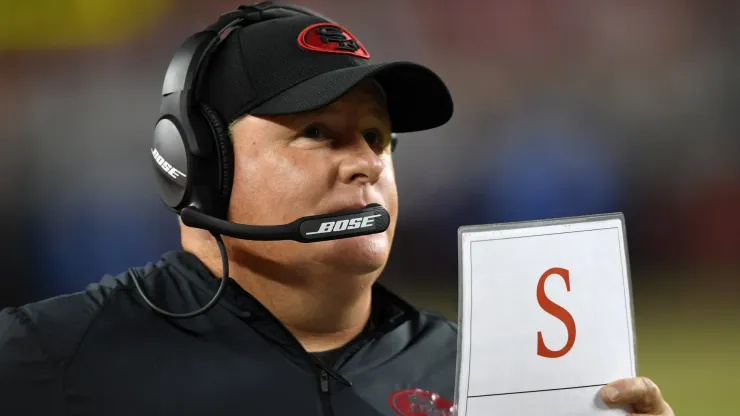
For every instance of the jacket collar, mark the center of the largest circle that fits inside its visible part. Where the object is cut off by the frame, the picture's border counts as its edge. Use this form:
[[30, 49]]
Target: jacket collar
[[389, 310]]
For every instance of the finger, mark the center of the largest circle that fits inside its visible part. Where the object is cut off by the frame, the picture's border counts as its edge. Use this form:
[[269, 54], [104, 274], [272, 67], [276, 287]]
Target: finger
[[666, 411], [640, 392]]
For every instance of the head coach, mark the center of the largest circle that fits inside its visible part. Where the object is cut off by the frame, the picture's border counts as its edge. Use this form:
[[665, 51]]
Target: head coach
[[274, 147]]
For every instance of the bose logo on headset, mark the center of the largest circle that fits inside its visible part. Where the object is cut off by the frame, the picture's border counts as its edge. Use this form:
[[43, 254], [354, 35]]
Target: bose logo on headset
[[165, 165], [352, 224]]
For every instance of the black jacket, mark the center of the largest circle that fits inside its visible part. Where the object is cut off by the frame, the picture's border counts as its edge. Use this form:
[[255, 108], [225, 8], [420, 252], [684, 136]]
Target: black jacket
[[105, 352]]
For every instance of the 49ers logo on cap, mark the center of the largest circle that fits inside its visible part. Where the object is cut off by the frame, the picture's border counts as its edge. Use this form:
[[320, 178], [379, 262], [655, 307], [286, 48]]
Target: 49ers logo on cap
[[328, 37]]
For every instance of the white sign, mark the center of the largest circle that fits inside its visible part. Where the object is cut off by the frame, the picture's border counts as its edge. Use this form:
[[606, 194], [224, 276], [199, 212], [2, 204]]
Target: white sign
[[545, 317]]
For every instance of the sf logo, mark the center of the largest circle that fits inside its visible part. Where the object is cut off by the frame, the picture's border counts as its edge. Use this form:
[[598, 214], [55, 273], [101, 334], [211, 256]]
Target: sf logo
[[557, 311], [426, 406], [331, 34]]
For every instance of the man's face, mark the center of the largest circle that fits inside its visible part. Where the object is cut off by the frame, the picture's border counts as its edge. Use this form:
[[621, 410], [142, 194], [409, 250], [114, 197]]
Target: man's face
[[286, 167]]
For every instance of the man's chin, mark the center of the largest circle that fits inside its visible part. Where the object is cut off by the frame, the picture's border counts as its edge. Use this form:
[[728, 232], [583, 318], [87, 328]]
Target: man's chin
[[361, 255]]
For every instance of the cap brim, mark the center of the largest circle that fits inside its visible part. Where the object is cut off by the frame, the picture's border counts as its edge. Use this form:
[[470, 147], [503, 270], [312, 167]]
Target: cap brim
[[417, 98]]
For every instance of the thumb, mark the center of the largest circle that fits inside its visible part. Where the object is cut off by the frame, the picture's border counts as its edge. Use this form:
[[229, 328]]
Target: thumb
[[639, 392]]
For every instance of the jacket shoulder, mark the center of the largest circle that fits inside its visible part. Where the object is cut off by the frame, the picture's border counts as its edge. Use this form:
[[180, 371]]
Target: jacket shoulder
[[58, 323], [37, 340], [438, 321], [434, 332]]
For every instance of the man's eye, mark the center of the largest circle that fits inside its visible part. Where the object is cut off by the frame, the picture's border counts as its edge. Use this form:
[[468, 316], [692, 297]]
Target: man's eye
[[374, 138], [314, 132]]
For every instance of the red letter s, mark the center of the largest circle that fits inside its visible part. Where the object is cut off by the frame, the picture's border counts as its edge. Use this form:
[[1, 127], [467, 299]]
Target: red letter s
[[557, 311]]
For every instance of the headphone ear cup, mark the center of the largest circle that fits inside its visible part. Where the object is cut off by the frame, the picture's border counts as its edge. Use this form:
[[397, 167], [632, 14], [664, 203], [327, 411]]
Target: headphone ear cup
[[224, 150], [171, 164]]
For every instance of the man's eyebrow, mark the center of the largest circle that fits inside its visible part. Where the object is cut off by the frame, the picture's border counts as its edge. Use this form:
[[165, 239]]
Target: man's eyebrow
[[380, 113]]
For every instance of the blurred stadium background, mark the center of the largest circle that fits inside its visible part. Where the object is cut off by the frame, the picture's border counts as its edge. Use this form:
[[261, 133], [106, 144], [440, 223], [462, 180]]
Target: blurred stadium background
[[562, 109]]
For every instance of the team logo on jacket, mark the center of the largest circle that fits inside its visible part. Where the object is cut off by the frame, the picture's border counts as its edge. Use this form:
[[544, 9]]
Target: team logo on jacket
[[328, 37], [417, 402]]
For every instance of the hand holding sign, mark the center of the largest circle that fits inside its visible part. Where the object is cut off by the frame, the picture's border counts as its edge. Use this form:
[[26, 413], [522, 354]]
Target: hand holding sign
[[546, 317], [638, 393]]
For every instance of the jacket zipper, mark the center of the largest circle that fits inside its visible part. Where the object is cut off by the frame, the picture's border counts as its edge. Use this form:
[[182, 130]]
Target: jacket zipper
[[325, 398], [324, 373]]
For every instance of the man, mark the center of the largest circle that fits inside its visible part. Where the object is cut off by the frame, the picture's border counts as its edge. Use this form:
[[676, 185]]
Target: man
[[300, 328]]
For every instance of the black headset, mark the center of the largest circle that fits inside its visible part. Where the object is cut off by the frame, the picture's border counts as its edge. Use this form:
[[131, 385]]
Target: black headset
[[192, 149]]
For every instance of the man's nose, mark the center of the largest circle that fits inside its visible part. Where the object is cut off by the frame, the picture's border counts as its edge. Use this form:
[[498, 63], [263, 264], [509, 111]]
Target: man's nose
[[360, 163]]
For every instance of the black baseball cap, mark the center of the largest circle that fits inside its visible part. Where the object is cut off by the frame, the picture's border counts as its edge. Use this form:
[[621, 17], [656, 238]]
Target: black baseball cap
[[304, 62]]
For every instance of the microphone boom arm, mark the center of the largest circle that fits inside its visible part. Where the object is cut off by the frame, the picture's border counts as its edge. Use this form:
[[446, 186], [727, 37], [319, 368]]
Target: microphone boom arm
[[371, 219]]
